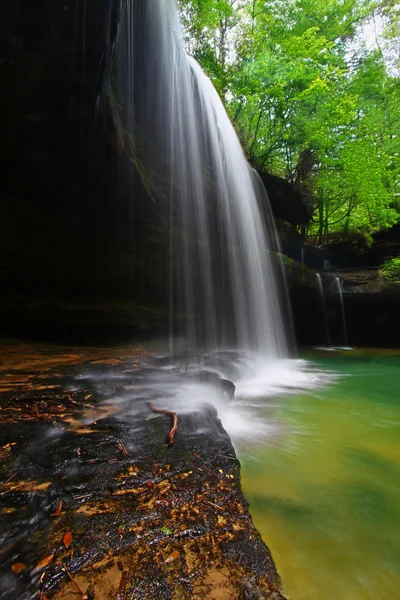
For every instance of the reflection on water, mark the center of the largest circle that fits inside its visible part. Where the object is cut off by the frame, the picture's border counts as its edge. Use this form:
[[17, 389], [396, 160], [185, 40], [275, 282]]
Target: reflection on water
[[325, 494]]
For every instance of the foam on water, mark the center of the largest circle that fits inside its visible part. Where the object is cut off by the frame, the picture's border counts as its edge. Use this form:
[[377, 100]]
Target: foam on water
[[248, 417]]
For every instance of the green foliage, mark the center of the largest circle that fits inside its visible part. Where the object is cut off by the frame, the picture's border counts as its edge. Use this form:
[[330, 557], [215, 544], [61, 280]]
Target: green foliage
[[207, 25], [309, 103], [391, 270]]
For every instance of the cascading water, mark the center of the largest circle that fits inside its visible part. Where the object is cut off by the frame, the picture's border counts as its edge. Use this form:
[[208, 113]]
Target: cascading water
[[223, 290], [223, 287], [344, 327], [320, 289]]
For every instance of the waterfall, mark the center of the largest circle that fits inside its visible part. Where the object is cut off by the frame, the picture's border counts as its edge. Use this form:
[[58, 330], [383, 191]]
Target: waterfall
[[223, 288], [344, 327], [320, 289]]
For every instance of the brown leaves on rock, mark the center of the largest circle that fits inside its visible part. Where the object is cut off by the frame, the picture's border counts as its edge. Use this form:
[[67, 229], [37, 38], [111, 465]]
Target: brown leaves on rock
[[44, 562], [58, 511], [173, 556], [18, 567], [5, 451], [24, 486], [122, 448], [50, 407], [67, 539]]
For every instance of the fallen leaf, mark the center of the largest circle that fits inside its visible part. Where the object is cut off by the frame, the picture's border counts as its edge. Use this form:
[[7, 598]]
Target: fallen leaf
[[58, 511], [44, 562], [67, 539], [82, 593], [6, 549], [166, 530], [172, 556], [26, 486], [8, 510], [18, 567]]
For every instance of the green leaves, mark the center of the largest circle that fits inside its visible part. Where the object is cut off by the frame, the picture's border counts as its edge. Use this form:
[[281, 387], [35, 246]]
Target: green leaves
[[296, 85], [166, 530]]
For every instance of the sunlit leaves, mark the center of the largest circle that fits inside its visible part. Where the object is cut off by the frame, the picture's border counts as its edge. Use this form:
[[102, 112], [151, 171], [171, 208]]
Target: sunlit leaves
[[293, 84]]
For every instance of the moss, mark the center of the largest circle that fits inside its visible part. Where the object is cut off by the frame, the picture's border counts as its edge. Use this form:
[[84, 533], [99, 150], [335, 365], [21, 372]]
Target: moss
[[296, 272], [391, 271]]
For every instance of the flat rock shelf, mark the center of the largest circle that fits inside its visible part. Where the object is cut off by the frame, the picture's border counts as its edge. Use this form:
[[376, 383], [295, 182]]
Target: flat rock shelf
[[95, 505]]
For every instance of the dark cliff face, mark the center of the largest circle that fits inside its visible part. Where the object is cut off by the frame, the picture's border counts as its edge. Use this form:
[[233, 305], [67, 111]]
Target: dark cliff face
[[286, 201], [76, 222], [83, 247]]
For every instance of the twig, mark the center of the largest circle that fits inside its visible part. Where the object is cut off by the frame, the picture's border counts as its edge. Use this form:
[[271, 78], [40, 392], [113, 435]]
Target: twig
[[84, 597], [16, 487], [122, 448], [187, 366], [83, 496], [172, 432], [212, 504], [225, 456]]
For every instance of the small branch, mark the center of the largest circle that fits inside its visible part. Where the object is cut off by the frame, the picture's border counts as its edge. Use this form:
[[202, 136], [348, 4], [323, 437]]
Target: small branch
[[187, 366], [172, 432], [84, 597], [122, 448], [212, 504], [225, 456]]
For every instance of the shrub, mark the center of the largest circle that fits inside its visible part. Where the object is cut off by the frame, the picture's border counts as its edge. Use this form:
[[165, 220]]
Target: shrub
[[391, 270]]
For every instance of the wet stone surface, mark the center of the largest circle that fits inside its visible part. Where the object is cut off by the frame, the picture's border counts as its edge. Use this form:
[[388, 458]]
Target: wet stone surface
[[94, 504]]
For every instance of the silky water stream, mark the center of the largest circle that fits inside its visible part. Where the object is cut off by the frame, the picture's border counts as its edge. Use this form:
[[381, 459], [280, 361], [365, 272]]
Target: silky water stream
[[319, 442]]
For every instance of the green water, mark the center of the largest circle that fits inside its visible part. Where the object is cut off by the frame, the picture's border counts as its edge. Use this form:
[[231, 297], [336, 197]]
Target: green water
[[325, 492]]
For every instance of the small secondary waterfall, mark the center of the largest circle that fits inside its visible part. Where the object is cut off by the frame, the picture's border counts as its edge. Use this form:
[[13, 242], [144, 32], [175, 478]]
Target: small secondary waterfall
[[320, 289], [222, 282], [340, 292]]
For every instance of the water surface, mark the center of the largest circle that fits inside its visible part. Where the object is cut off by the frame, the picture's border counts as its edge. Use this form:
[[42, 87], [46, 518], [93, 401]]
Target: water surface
[[325, 491]]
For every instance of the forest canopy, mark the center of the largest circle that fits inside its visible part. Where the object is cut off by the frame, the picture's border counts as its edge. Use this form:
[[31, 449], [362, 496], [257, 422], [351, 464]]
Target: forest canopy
[[312, 87]]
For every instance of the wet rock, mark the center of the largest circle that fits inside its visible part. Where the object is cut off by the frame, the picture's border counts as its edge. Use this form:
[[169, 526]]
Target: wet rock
[[227, 387], [286, 201], [224, 385], [141, 520], [251, 591]]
